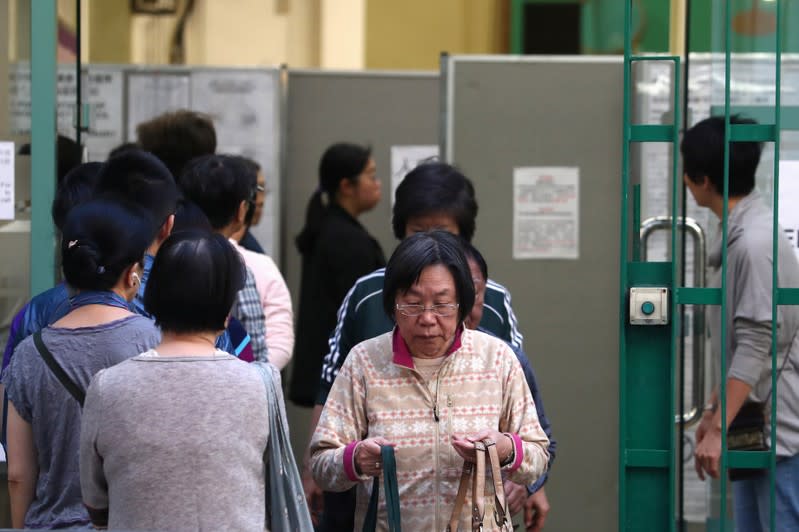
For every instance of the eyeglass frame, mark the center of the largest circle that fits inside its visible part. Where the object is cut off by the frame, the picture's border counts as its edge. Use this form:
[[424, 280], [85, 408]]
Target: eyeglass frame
[[453, 307]]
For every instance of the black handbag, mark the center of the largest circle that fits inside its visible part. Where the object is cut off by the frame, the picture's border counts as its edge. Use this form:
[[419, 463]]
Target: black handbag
[[747, 432]]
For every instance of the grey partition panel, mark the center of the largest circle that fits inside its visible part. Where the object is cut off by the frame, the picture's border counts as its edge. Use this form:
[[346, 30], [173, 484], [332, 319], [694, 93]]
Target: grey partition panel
[[381, 109], [503, 113]]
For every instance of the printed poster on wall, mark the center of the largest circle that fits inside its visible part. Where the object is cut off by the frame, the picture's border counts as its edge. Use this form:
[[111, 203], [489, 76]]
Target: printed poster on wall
[[243, 107], [102, 89], [789, 199], [406, 158], [6, 180], [546, 212]]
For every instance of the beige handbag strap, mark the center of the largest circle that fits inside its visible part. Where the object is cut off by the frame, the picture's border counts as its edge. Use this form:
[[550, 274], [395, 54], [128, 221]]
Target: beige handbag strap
[[501, 516], [478, 486], [460, 498], [476, 473]]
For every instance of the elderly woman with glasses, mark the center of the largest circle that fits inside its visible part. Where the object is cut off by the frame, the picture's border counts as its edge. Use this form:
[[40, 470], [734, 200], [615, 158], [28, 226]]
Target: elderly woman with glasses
[[430, 388]]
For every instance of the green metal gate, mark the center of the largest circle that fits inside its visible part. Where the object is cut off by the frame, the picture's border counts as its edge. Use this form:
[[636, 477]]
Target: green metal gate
[[649, 350]]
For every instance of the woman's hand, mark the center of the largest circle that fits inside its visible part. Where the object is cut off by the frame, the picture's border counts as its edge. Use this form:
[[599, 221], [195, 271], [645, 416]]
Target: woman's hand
[[368, 460], [464, 446]]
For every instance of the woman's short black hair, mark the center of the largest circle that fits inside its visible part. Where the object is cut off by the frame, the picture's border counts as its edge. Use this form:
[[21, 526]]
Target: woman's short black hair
[[416, 253], [77, 187], [433, 188], [218, 184], [140, 177], [339, 162], [193, 283], [702, 150], [101, 239], [474, 254], [250, 168], [177, 137]]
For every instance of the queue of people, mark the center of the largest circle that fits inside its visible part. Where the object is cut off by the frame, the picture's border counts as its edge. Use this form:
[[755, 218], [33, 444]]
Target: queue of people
[[130, 403]]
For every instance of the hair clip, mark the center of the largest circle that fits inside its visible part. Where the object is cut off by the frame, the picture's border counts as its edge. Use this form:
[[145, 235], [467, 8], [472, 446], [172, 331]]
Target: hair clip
[[100, 270], [71, 244]]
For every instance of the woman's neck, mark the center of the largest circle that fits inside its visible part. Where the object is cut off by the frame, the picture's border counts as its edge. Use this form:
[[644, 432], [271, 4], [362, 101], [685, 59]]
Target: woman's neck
[[197, 344]]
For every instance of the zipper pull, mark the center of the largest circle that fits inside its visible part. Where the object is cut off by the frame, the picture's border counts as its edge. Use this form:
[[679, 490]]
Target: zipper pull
[[435, 412]]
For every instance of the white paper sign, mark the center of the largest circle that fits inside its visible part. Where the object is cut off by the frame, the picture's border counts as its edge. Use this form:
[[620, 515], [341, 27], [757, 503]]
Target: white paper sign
[[546, 212], [406, 158], [243, 108], [102, 91], [789, 201], [6, 180]]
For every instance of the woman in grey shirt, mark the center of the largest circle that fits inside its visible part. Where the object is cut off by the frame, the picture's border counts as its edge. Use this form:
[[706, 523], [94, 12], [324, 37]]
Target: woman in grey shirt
[[103, 250], [174, 439]]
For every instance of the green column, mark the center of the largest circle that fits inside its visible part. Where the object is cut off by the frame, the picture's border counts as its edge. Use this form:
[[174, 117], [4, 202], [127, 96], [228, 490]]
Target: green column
[[43, 133]]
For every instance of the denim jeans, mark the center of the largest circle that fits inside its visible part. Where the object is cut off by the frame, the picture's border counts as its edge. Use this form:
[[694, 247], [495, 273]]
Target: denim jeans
[[751, 500]]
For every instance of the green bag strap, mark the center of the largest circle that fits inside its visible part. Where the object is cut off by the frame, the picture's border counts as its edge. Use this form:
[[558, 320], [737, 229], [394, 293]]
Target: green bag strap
[[391, 494]]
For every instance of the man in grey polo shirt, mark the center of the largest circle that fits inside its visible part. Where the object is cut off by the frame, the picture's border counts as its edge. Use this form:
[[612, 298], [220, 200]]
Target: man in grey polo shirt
[[748, 320]]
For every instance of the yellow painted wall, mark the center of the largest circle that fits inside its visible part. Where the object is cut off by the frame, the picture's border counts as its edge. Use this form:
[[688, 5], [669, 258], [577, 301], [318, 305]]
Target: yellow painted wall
[[109, 31], [411, 34]]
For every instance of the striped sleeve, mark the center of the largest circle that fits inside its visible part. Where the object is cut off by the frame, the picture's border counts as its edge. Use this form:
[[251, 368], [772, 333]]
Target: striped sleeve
[[512, 333], [343, 339]]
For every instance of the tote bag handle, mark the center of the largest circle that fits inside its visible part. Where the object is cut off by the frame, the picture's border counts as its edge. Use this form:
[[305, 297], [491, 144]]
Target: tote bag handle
[[391, 494]]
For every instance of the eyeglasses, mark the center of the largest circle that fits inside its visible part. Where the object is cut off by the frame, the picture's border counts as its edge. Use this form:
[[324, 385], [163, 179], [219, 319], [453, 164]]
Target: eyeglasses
[[443, 310]]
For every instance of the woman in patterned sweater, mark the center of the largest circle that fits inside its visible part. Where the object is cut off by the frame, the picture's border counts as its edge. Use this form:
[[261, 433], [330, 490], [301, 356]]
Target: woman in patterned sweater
[[429, 388]]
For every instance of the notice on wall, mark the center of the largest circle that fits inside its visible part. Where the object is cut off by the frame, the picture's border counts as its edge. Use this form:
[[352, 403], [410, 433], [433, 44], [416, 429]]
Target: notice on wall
[[153, 93], [788, 201], [102, 89], [546, 212], [406, 158], [6, 180], [243, 105]]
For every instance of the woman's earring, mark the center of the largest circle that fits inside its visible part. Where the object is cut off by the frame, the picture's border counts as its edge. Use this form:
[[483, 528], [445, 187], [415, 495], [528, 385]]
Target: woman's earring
[[136, 279]]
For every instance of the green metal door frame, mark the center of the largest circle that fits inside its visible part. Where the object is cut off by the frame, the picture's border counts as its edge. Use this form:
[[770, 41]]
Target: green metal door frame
[[43, 142], [647, 464]]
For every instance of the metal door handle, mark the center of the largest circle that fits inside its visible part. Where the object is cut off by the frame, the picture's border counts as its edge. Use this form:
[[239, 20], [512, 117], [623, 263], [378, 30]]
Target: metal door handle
[[663, 223]]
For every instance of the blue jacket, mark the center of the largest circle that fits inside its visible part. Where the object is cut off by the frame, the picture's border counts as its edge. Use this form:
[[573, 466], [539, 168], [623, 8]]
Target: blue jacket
[[529, 376]]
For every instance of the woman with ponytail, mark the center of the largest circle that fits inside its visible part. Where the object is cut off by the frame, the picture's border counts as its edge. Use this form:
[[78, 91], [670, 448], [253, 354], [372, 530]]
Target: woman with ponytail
[[103, 245], [336, 250]]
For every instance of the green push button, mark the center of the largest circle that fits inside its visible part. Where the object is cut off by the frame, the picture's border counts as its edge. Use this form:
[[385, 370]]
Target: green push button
[[648, 308]]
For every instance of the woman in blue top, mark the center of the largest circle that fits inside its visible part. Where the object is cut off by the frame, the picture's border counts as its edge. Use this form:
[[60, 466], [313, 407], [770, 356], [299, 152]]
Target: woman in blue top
[[103, 247]]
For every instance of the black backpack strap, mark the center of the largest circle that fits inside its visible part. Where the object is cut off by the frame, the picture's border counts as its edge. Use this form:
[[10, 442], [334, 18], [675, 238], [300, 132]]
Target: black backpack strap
[[73, 389]]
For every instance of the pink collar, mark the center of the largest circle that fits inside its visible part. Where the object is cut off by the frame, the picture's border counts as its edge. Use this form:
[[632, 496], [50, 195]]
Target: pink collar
[[402, 355]]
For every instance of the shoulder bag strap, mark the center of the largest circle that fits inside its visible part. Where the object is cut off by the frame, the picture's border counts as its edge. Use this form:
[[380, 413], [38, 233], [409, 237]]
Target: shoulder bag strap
[[391, 489], [73, 389], [460, 498], [478, 486], [286, 510], [501, 516]]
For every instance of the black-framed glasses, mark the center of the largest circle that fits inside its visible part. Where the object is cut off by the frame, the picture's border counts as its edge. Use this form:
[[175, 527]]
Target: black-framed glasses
[[442, 310]]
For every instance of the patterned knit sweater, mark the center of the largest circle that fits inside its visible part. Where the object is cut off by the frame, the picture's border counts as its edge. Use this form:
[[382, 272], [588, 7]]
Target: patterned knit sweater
[[379, 393]]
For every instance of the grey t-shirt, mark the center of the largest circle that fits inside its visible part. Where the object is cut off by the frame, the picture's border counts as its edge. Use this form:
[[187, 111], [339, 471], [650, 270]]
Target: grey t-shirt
[[748, 314], [55, 416], [176, 443]]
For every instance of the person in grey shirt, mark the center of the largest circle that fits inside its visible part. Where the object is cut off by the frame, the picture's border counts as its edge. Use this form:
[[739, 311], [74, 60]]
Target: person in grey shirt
[[174, 439], [748, 320], [103, 251]]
